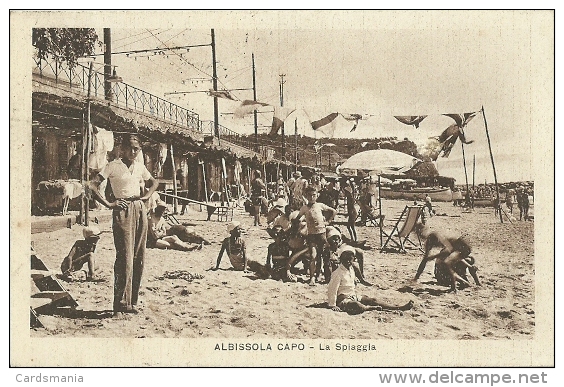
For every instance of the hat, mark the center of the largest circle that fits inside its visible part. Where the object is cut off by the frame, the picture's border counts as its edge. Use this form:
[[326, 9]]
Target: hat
[[332, 231], [298, 174], [91, 231], [293, 215], [347, 250], [160, 203], [275, 231], [233, 225], [280, 203]]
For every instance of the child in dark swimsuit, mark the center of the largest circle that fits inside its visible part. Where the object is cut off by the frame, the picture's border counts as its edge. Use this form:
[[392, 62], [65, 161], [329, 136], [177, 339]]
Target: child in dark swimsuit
[[279, 254]]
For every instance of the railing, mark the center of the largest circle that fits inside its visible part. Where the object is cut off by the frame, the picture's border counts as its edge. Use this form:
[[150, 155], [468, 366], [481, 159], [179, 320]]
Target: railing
[[267, 151], [122, 93]]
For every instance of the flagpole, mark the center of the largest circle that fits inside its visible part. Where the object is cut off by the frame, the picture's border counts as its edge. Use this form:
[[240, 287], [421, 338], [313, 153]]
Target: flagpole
[[296, 141], [282, 104], [493, 164], [474, 172], [255, 98], [214, 80], [465, 173]]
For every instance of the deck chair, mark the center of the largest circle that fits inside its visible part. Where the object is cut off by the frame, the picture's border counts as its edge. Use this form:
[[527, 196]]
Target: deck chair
[[223, 212], [48, 293], [403, 227]]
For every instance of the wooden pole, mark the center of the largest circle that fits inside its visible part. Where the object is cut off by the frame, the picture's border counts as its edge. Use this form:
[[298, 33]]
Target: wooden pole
[[85, 203], [255, 98], [205, 183], [380, 209], [296, 141], [174, 182], [464, 161], [493, 164], [474, 172], [214, 83]]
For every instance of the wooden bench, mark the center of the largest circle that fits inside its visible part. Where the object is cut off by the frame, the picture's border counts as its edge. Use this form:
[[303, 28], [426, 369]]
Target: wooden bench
[[223, 212]]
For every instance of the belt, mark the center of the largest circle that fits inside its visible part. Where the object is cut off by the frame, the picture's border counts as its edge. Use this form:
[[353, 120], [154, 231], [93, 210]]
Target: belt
[[131, 199]]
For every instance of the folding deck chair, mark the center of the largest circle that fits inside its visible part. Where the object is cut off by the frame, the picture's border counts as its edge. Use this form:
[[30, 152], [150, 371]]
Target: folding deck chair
[[223, 212], [47, 291], [405, 224]]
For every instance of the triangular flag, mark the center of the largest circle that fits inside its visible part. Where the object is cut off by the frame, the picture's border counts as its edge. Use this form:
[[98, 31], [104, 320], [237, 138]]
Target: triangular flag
[[221, 94], [444, 142], [410, 120], [461, 119], [248, 106], [280, 114], [326, 125], [352, 117]]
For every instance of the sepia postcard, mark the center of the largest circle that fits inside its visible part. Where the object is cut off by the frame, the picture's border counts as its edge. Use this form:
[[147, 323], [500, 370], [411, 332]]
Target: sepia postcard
[[361, 188]]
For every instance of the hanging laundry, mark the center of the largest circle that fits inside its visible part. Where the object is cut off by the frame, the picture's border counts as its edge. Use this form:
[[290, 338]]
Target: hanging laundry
[[102, 143], [247, 107]]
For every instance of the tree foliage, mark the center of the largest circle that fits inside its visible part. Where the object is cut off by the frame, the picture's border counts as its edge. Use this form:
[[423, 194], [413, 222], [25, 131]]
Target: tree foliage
[[65, 44]]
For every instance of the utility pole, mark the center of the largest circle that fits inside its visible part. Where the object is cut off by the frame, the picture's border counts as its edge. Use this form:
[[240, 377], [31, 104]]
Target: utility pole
[[282, 104], [215, 107], [107, 64], [296, 141], [255, 98]]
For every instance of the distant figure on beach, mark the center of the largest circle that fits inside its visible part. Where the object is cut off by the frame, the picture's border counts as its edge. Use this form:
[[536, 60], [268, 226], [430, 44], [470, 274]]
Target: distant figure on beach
[[81, 253], [159, 235], [298, 190], [523, 203], [352, 212], [317, 215], [454, 251], [258, 196], [429, 205], [234, 246], [341, 293], [509, 200]]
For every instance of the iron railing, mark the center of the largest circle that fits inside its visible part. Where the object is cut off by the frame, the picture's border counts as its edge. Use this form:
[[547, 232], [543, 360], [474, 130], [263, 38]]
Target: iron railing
[[122, 94]]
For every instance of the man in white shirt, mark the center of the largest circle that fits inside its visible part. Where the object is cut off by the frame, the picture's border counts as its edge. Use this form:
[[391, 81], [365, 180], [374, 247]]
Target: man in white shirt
[[341, 292], [128, 178]]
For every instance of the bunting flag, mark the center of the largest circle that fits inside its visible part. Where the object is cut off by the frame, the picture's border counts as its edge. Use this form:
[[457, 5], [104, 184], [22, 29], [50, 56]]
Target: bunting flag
[[444, 142], [225, 94], [326, 125], [353, 117], [247, 107], [461, 119], [410, 120], [280, 114]]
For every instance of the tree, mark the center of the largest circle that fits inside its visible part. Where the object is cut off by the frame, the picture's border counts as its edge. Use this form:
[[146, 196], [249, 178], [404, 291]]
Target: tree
[[64, 44]]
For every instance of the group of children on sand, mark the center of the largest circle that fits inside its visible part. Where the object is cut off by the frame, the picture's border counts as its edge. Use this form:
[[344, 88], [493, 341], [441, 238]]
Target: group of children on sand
[[323, 245]]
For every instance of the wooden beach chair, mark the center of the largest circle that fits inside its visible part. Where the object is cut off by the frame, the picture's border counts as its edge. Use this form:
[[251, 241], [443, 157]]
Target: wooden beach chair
[[402, 229], [224, 212], [47, 291]]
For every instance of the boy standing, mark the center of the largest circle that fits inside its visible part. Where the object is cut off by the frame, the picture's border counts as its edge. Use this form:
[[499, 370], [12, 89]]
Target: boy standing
[[316, 215]]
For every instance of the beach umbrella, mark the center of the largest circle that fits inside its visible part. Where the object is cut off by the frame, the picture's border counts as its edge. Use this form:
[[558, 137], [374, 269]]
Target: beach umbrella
[[380, 161]]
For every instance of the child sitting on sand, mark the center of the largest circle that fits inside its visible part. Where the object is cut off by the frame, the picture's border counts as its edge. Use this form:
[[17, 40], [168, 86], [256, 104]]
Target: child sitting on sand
[[341, 292], [236, 250], [279, 253], [82, 252]]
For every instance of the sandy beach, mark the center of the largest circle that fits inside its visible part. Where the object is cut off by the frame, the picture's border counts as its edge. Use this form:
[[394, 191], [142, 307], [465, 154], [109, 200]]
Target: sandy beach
[[231, 304]]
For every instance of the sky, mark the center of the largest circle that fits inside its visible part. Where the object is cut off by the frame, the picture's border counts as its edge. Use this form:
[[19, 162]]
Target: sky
[[378, 64]]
